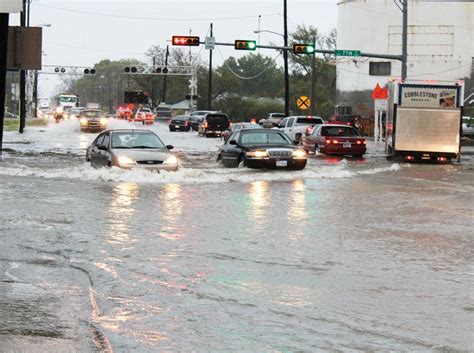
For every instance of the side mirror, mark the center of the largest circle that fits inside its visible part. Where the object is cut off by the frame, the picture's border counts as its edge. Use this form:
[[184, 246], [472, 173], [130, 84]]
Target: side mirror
[[170, 147], [233, 142], [296, 142], [102, 148]]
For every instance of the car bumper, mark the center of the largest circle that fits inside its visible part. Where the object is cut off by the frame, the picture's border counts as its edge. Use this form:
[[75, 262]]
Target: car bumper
[[93, 128], [179, 128], [154, 167], [269, 163], [339, 149]]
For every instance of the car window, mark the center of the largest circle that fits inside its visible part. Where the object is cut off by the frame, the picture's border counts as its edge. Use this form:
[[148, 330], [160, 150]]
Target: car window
[[98, 140], [317, 130], [136, 139], [234, 136], [339, 131], [105, 141], [283, 122], [309, 121], [91, 113], [290, 122], [263, 138]]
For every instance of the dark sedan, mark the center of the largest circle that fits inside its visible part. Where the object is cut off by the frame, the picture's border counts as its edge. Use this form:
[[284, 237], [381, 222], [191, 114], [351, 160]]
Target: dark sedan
[[130, 149], [261, 148], [180, 123], [335, 139]]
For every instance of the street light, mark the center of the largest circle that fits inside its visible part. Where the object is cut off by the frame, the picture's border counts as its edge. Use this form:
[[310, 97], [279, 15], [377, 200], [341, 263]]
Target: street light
[[264, 30]]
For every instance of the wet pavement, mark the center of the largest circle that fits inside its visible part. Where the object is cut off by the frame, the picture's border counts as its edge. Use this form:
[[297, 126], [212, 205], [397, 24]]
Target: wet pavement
[[347, 255]]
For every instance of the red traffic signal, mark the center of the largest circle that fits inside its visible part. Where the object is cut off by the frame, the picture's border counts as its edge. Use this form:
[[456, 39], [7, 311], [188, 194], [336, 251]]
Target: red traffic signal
[[185, 40], [240, 44]]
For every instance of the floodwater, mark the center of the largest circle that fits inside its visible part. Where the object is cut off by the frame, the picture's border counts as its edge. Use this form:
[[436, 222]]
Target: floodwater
[[347, 255]]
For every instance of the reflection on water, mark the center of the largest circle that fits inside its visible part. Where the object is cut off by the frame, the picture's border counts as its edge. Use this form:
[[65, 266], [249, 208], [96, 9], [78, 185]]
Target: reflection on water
[[121, 211], [172, 201], [297, 211], [259, 200]]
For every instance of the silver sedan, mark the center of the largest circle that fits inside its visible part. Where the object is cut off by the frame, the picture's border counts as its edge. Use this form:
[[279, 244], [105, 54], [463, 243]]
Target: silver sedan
[[130, 148]]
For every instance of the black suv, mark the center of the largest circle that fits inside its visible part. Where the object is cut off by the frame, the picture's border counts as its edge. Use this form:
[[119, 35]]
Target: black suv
[[213, 124]]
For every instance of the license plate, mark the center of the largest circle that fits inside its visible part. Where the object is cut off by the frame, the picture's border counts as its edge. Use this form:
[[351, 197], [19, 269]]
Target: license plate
[[346, 144], [176, 126], [281, 163]]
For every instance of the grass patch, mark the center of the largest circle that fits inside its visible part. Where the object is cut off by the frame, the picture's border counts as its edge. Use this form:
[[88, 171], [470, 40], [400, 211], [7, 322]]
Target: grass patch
[[13, 124]]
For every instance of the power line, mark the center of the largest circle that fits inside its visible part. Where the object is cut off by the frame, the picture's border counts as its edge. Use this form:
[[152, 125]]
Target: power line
[[148, 18]]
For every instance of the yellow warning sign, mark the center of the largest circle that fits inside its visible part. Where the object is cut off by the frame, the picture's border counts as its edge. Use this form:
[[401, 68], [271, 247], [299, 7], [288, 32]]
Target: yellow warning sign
[[303, 102]]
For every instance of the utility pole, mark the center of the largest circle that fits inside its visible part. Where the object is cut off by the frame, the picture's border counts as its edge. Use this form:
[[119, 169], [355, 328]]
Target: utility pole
[[35, 94], [405, 39], [313, 80], [209, 87], [4, 18], [22, 79], [163, 98], [285, 58]]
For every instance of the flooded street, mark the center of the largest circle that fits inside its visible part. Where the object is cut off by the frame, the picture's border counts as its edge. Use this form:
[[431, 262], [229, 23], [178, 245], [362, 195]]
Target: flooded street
[[346, 255]]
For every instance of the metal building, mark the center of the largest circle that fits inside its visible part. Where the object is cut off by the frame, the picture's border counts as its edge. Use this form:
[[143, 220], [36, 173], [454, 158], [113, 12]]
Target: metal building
[[440, 45]]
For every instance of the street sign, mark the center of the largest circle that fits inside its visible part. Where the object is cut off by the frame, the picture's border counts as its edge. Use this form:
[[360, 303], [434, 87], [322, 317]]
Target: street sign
[[210, 43], [379, 92], [381, 104], [347, 52], [11, 6], [303, 102]]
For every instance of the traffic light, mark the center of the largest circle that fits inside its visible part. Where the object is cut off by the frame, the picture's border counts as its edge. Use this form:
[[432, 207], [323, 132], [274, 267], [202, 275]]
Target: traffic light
[[185, 40], [194, 97], [130, 69], [89, 71], [245, 44], [59, 70], [303, 48], [160, 70]]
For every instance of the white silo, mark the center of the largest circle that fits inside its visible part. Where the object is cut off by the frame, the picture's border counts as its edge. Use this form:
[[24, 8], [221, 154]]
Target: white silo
[[440, 44]]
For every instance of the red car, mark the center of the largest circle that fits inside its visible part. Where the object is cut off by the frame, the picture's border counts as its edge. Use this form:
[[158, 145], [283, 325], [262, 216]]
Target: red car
[[145, 116], [335, 139]]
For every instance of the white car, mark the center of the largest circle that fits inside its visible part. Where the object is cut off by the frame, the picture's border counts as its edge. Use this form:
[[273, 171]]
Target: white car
[[296, 127], [467, 126]]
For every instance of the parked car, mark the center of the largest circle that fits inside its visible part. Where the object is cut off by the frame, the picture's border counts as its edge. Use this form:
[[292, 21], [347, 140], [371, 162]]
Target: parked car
[[214, 124], [145, 116], [163, 113], [92, 120], [298, 126], [180, 123], [335, 139], [272, 119], [467, 126], [261, 148], [197, 117], [131, 148]]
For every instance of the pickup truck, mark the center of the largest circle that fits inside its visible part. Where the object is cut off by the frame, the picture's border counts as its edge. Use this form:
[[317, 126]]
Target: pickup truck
[[298, 126]]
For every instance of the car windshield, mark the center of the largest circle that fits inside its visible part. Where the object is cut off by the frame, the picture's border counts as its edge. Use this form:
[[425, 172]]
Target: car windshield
[[264, 138], [181, 118], [92, 113], [251, 126], [136, 139], [339, 131]]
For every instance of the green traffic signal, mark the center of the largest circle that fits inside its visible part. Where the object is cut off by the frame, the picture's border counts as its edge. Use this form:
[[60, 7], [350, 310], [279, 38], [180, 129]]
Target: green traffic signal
[[240, 44], [303, 48]]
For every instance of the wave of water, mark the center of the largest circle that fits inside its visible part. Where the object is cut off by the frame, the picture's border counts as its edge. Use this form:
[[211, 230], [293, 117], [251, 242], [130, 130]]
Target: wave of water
[[188, 175]]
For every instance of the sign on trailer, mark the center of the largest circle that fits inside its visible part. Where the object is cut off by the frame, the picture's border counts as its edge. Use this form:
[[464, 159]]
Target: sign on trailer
[[347, 52]]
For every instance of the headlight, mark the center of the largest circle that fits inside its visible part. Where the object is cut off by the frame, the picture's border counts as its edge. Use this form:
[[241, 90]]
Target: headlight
[[83, 121], [257, 154], [125, 161], [171, 160], [59, 110], [103, 121], [299, 154], [73, 117]]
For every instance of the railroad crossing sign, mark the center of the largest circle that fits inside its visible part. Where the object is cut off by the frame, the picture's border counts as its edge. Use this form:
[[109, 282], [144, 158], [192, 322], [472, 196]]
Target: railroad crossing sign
[[303, 102]]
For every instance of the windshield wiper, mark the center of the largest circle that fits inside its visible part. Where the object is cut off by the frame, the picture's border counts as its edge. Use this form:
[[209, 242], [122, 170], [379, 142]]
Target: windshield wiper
[[116, 147], [144, 147]]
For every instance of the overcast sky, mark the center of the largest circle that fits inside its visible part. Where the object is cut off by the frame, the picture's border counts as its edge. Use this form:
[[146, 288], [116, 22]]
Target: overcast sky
[[85, 32]]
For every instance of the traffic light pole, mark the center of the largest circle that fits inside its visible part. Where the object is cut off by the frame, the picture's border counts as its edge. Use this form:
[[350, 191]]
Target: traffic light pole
[[22, 79], [209, 87], [285, 58]]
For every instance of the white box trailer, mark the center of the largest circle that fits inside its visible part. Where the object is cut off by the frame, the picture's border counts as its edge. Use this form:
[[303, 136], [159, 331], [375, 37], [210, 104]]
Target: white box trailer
[[424, 120]]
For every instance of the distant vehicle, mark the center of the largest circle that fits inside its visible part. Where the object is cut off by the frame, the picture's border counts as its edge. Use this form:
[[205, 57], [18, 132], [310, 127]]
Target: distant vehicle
[[163, 113], [124, 112], [92, 120], [261, 148], [68, 100], [180, 123], [335, 139], [272, 119], [214, 124], [424, 120], [144, 115], [298, 126], [197, 116], [93, 106], [468, 126], [129, 149], [75, 112]]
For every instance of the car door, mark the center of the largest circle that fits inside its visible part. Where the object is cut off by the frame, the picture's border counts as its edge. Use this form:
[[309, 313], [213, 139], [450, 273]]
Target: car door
[[230, 153], [103, 154], [289, 126]]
